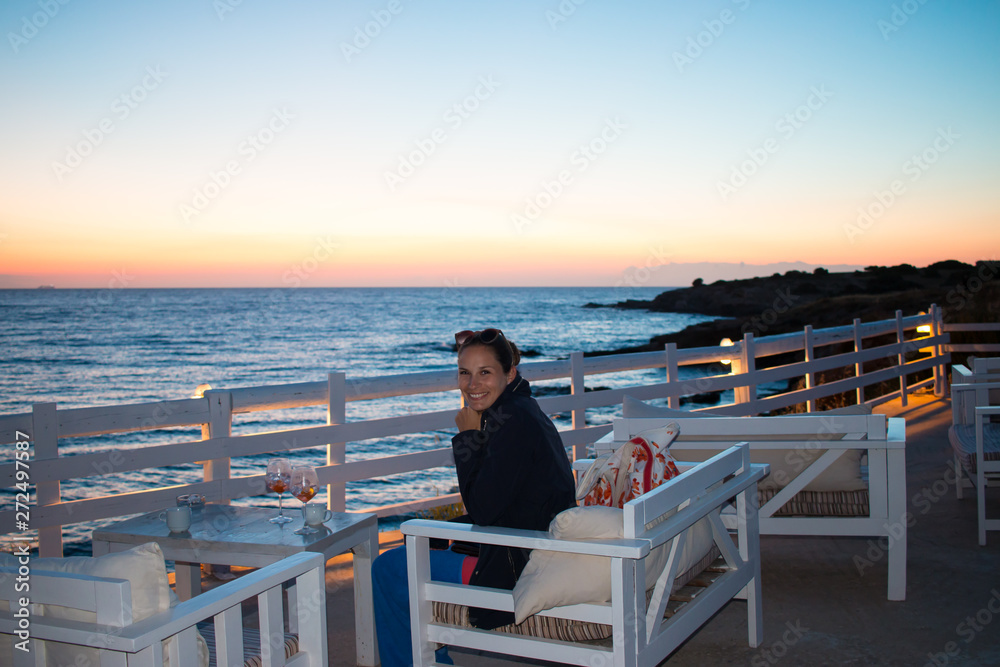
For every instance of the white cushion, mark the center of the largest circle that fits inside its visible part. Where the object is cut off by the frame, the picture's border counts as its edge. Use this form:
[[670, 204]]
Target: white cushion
[[142, 566], [552, 579]]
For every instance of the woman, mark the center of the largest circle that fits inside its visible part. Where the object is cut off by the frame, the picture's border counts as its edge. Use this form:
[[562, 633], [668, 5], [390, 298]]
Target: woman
[[512, 472]]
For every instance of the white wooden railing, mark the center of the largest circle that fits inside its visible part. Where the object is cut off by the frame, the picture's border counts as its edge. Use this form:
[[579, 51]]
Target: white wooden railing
[[41, 429]]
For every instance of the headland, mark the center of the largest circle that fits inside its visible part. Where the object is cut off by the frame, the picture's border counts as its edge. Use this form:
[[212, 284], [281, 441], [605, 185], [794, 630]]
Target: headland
[[785, 303]]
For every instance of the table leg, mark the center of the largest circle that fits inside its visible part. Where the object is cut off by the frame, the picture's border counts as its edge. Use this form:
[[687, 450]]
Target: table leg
[[364, 611], [100, 548], [187, 580]]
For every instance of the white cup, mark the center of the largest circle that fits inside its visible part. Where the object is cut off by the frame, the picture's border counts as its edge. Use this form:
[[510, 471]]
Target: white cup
[[316, 513], [178, 518]]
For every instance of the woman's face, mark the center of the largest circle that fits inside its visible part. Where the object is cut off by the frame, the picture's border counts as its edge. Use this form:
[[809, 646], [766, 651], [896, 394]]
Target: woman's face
[[480, 377]]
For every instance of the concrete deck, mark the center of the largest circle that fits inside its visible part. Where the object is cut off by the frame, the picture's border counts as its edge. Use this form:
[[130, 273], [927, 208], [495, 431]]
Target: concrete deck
[[825, 598]]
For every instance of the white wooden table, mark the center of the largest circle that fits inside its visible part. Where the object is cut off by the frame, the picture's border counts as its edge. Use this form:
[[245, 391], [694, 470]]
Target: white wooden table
[[230, 535]]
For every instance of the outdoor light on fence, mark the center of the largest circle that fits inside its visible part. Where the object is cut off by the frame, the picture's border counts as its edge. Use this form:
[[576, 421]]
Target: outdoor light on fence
[[725, 342], [924, 328], [199, 391]]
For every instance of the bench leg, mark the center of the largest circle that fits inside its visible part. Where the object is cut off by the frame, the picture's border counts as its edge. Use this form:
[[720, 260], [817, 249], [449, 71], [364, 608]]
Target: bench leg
[[959, 482], [748, 522], [981, 500], [896, 489], [187, 580], [364, 614]]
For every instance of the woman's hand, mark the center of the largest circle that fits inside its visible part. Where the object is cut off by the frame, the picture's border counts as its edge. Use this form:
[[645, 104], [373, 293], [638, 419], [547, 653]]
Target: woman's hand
[[468, 419]]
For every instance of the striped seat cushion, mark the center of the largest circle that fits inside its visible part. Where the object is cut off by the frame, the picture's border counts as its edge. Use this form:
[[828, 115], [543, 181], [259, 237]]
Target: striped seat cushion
[[698, 577], [820, 503], [251, 644], [963, 442]]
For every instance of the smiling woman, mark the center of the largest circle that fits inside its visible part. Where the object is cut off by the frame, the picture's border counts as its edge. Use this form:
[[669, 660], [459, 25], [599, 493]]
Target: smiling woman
[[512, 471], [483, 373]]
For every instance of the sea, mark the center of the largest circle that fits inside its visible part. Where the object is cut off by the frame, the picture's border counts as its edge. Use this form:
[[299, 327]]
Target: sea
[[85, 348]]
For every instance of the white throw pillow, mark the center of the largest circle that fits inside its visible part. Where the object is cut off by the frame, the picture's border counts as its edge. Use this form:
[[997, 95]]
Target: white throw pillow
[[552, 579], [142, 566]]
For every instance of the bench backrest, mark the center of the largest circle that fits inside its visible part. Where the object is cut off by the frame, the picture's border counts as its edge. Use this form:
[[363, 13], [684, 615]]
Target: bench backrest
[[764, 432], [788, 444], [983, 365], [964, 399]]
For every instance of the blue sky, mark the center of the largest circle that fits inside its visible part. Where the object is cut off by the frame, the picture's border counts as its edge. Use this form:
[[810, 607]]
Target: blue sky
[[241, 139]]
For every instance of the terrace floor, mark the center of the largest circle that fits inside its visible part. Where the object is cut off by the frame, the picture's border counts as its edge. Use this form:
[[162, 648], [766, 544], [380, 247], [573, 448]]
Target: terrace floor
[[823, 603]]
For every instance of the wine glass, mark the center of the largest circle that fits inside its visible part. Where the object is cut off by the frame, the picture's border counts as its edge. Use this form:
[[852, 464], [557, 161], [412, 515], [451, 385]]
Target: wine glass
[[278, 477], [304, 486]]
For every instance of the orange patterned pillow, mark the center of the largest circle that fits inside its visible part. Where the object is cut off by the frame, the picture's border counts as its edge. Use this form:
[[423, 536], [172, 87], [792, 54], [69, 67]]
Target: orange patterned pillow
[[635, 468]]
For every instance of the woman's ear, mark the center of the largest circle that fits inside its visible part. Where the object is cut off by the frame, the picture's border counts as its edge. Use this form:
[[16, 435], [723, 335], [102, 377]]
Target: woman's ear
[[511, 374]]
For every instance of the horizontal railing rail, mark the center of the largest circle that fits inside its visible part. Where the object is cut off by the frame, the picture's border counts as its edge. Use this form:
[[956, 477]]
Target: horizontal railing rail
[[977, 348], [911, 350]]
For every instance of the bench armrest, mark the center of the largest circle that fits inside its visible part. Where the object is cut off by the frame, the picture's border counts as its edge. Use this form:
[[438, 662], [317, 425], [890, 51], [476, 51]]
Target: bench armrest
[[972, 386], [525, 539]]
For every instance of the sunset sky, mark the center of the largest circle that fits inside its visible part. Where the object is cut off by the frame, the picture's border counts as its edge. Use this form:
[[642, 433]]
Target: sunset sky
[[396, 142]]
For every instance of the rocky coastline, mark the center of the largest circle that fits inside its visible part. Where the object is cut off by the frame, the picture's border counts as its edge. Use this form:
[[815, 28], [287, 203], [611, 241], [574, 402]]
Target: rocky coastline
[[785, 303]]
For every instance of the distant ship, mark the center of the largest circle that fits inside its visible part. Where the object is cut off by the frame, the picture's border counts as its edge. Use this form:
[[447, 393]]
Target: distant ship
[[46, 287]]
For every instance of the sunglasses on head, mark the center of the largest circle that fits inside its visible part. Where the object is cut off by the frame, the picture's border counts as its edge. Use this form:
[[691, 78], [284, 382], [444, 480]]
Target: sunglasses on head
[[485, 336]]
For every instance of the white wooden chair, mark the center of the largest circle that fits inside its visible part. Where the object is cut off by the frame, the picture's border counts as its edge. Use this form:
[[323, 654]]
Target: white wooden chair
[[641, 635], [975, 433], [121, 642]]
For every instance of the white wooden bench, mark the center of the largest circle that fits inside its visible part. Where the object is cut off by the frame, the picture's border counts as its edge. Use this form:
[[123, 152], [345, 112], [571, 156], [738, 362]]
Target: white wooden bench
[[874, 507], [975, 433], [640, 632], [119, 641]]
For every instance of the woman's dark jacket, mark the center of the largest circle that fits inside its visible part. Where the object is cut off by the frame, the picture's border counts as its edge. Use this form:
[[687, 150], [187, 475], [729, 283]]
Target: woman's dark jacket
[[513, 473]]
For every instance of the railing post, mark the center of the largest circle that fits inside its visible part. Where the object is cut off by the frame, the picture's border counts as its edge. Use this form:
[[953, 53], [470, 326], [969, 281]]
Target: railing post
[[45, 434], [673, 401], [220, 425], [746, 364], [901, 358], [941, 370], [336, 453], [807, 345], [858, 367], [577, 389]]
